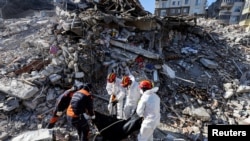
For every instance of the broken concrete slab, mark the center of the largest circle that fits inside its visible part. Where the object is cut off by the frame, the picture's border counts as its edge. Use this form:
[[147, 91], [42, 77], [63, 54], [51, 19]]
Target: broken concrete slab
[[3, 136], [199, 113], [17, 88], [41, 134], [208, 63], [135, 49], [243, 89]]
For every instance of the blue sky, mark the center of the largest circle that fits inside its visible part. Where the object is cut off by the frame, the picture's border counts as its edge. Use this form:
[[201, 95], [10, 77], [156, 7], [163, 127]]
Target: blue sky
[[149, 5]]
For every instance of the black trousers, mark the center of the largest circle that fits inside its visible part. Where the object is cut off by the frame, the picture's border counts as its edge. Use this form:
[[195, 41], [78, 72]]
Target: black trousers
[[81, 125]]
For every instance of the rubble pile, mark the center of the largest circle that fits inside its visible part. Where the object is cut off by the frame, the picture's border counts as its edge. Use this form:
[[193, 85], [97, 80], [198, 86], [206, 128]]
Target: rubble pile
[[201, 67], [16, 8]]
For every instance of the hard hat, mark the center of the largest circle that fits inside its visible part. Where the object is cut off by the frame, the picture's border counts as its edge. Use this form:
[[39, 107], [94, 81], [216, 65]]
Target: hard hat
[[146, 84], [111, 77], [125, 81]]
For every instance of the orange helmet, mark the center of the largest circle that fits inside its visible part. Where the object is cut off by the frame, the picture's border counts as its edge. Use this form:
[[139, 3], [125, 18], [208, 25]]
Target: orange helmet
[[111, 77], [146, 84], [125, 81]]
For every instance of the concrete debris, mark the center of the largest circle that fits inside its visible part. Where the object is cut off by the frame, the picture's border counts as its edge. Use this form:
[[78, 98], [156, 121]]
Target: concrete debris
[[208, 63], [245, 122], [3, 136], [202, 70], [41, 134], [17, 88], [10, 104], [135, 49]]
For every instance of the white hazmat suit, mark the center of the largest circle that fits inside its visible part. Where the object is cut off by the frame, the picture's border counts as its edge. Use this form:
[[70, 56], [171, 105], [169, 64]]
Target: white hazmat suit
[[132, 97], [149, 108], [115, 89]]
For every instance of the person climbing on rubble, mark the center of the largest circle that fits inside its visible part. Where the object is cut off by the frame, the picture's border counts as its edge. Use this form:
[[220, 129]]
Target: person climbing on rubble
[[149, 109], [116, 92], [81, 110], [132, 94], [62, 103]]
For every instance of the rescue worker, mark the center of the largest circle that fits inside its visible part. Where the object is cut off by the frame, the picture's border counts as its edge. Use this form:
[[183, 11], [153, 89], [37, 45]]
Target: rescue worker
[[148, 108], [117, 95], [62, 103], [81, 104], [132, 94]]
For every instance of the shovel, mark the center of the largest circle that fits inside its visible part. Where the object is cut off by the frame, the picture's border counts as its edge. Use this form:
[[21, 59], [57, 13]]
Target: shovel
[[171, 74]]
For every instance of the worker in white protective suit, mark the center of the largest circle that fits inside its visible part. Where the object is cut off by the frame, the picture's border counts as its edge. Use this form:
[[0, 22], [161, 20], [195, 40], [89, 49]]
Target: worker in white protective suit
[[148, 108], [116, 92], [132, 94]]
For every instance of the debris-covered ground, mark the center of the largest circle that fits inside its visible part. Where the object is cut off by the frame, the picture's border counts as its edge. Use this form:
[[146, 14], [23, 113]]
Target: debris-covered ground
[[202, 69]]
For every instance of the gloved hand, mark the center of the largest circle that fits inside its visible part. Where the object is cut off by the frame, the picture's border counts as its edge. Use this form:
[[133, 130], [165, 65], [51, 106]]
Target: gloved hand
[[92, 120], [114, 102], [93, 117], [113, 97], [87, 117], [59, 113]]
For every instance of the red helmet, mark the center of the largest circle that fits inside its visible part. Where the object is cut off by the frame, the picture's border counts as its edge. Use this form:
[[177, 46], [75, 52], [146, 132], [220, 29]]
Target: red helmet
[[111, 77], [125, 81], [146, 84]]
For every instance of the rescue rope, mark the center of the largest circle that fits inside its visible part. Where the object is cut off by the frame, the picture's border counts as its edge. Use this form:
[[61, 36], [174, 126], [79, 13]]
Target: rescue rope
[[98, 133]]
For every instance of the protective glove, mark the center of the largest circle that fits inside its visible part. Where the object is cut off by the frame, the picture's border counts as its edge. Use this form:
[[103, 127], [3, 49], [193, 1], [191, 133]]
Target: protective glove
[[87, 117], [59, 113], [93, 117], [113, 97], [91, 121]]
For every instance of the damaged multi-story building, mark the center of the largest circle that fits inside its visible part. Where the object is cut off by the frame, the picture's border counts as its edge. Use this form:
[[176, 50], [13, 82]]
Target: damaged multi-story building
[[180, 7], [245, 17], [230, 11], [227, 12]]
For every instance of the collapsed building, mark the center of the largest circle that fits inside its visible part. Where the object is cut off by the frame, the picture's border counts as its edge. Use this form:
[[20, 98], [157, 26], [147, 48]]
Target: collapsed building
[[197, 64]]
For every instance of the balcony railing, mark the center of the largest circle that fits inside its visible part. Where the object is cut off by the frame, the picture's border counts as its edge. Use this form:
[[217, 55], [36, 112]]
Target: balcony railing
[[226, 4], [224, 21], [225, 13]]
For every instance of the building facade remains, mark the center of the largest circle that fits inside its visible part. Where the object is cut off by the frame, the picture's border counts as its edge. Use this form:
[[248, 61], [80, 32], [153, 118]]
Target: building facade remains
[[230, 11], [180, 7], [245, 17]]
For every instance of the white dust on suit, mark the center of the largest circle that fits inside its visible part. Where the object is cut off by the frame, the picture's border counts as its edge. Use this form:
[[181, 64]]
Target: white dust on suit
[[149, 108], [116, 89], [132, 97]]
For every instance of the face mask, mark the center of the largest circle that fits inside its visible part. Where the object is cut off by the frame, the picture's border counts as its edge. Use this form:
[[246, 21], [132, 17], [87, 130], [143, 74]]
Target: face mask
[[141, 91]]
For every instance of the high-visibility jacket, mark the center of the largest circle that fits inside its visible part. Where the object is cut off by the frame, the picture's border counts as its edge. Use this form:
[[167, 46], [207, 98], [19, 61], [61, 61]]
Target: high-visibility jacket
[[62, 103], [81, 102]]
